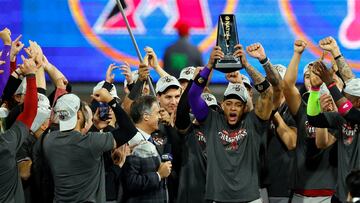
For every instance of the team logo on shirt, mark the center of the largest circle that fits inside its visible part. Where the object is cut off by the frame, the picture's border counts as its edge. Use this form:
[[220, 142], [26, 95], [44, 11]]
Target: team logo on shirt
[[309, 130], [103, 26], [232, 139], [343, 24], [348, 133], [200, 137]]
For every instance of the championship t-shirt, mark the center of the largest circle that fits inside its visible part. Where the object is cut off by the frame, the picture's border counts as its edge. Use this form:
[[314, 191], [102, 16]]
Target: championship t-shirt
[[193, 167], [233, 158], [279, 160], [77, 165], [348, 142], [314, 168], [10, 184]]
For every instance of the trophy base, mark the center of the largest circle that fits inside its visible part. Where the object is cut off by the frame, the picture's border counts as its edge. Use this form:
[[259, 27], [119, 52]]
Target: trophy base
[[228, 65]]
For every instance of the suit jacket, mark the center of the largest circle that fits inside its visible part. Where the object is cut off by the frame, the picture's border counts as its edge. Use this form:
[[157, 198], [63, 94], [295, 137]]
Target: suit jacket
[[141, 182]]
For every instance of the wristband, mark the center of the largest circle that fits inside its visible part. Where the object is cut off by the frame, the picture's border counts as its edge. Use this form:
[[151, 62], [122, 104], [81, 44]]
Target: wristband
[[345, 107], [262, 87], [113, 103], [264, 61], [335, 93], [107, 86], [337, 57], [136, 91], [315, 89], [18, 74], [331, 85]]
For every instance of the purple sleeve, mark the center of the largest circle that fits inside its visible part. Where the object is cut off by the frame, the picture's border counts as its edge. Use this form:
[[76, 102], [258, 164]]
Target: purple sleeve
[[197, 104], [5, 67]]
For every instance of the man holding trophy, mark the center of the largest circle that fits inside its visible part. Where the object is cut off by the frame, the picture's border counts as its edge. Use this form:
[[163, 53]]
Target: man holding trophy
[[234, 136]]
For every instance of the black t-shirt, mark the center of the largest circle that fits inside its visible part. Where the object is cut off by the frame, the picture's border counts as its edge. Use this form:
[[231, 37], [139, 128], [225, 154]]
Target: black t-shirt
[[233, 158], [348, 150], [193, 167], [314, 168], [279, 160]]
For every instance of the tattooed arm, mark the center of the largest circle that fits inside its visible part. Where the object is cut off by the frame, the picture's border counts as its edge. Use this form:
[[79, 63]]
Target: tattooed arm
[[329, 44], [263, 105]]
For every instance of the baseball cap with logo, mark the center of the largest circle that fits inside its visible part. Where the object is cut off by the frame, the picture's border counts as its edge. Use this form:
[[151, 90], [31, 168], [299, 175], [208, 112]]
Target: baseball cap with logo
[[281, 69], [187, 73], [246, 81], [43, 112], [113, 92], [166, 82], [209, 99], [307, 66], [236, 91], [66, 109], [353, 87]]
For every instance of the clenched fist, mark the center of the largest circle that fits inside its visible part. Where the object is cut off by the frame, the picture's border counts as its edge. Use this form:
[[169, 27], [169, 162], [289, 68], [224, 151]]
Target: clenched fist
[[299, 46], [329, 44], [165, 169], [256, 51]]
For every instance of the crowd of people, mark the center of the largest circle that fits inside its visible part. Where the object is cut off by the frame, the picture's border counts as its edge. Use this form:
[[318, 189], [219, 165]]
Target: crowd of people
[[266, 141]]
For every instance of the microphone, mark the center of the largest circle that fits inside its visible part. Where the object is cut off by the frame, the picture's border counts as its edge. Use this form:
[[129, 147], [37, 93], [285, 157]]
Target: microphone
[[166, 157]]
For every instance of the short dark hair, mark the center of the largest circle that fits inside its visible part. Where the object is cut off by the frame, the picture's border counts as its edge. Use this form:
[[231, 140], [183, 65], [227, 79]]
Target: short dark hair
[[140, 106], [353, 183], [168, 88]]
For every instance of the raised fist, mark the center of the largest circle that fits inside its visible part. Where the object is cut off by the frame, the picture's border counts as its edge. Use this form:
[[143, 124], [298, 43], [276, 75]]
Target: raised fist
[[5, 36], [256, 51], [328, 44], [299, 46]]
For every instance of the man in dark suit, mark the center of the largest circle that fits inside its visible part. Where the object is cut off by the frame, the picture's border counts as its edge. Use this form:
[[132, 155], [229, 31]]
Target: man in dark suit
[[144, 174]]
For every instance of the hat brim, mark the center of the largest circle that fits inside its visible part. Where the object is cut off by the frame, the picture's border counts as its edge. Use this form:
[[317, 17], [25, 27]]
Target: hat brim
[[69, 124]]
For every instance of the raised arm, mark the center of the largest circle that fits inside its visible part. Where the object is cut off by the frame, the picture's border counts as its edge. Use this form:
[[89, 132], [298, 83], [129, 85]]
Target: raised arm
[[291, 93], [323, 138], [136, 90], [5, 57], [329, 44], [182, 122], [126, 129], [30, 101], [263, 105], [345, 107], [197, 104], [153, 62]]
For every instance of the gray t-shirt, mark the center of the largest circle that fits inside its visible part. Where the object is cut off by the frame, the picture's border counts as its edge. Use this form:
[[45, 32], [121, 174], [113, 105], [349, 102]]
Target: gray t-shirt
[[10, 184], [77, 165], [233, 158], [314, 168], [348, 142]]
